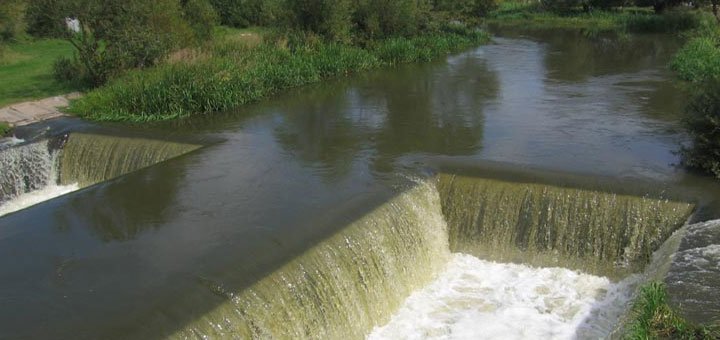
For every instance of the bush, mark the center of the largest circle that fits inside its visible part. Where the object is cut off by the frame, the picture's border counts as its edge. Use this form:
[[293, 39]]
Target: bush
[[699, 63], [384, 18], [201, 17], [699, 58], [12, 19], [327, 18], [117, 36], [703, 123], [247, 13], [46, 18]]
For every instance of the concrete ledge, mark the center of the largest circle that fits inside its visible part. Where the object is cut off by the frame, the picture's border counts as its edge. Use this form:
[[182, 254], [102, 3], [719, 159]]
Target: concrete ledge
[[35, 111]]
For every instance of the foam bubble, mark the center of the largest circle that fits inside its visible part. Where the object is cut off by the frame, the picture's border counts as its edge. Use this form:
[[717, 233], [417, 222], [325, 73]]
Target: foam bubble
[[31, 198], [476, 299]]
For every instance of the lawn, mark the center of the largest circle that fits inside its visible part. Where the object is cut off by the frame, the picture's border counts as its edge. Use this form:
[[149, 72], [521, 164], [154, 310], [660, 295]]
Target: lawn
[[26, 70]]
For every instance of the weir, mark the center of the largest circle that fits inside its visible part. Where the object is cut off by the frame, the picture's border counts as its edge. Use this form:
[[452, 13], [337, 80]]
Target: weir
[[544, 225], [88, 159], [346, 284], [354, 280], [40, 170]]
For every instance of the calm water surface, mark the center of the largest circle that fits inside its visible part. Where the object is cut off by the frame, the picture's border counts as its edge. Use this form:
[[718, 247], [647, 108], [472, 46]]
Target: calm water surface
[[293, 169]]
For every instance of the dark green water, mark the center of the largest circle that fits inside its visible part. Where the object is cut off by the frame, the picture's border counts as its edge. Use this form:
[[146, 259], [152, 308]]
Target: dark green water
[[155, 252]]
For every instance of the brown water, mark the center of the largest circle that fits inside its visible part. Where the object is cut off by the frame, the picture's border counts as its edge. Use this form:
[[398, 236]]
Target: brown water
[[155, 251]]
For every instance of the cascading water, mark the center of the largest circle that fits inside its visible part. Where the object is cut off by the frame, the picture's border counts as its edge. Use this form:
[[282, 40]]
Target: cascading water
[[346, 284], [25, 168], [542, 225], [35, 172], [89, 159], [29, 176]]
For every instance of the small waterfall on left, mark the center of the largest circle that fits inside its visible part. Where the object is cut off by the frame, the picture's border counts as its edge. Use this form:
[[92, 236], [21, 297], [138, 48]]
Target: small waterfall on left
[[29, 175]]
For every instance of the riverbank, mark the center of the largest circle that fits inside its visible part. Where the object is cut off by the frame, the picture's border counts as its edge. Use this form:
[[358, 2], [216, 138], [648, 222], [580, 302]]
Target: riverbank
[[622, 20], [226, 74]]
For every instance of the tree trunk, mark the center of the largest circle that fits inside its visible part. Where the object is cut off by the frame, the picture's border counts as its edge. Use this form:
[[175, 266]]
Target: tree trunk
[[716, 9]]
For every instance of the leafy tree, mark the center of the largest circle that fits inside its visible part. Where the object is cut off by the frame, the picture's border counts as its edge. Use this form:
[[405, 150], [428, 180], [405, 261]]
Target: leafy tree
[[116, 36]]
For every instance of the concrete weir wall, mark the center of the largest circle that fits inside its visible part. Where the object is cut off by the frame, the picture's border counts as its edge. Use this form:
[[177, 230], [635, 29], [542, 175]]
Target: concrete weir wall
[[693, 280]]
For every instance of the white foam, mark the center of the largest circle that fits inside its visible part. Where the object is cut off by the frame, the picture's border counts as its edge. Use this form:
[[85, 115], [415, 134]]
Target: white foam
[[476, 299], [31, 198]]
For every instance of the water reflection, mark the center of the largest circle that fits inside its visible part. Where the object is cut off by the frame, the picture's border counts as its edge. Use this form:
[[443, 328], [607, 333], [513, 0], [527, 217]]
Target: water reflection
[[121, 212], [435, 109]]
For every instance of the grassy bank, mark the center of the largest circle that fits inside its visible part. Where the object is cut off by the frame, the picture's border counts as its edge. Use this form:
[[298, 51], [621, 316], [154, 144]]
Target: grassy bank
[[26, 70], [698, 64], [653, 318], [228, 74], [533, 15]]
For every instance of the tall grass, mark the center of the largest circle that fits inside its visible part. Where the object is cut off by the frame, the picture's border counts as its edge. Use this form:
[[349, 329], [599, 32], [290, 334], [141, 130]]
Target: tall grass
[[653, 318], [235, 74]]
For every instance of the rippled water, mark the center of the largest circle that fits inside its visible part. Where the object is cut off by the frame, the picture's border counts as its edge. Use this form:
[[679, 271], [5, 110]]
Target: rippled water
[[281, 175]]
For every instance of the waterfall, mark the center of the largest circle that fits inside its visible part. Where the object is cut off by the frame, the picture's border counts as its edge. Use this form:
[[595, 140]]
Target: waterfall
[[345, 285], [89, 159], [35, 172], [543, 225], [26, 168]]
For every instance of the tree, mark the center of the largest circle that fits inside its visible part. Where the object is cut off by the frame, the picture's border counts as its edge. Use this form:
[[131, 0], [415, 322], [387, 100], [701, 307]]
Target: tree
[[115, 36]]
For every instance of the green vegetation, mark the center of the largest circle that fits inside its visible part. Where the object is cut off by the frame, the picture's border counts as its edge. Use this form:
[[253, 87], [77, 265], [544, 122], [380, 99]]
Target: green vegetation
[[26, 70], [698, 63], [233, 74], [4, 128], [633, 19], [653, 318]]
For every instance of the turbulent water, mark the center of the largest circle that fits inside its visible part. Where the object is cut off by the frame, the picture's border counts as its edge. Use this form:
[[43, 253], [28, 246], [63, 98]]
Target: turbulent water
[[477, 299], [38, 171], [342, 287], [26, 168], [544, 225]]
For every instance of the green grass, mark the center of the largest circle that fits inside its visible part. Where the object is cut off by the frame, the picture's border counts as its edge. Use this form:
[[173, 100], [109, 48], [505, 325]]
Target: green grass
[[652, 318], [232, 74], [4, 128], [699, 58], [532, 15], [26, 70]]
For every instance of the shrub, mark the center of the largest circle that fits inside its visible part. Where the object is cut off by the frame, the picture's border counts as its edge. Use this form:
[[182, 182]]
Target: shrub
[[699, 58], [46, 18], [246, 13], [12, 19], [116, 36], [703, 123], [384, 18], [699, 63], [327, 18], [201, 17]]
